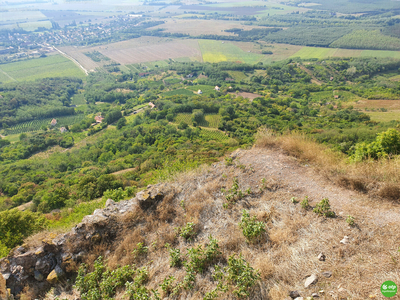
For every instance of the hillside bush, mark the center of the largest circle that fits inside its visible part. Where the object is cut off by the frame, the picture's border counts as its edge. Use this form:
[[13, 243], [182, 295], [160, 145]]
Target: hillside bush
[[252, 229], [386, 144], [15, 225]]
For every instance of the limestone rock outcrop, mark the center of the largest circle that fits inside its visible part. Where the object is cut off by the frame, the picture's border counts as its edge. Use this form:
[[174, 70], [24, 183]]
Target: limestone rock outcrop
[[50, 263]]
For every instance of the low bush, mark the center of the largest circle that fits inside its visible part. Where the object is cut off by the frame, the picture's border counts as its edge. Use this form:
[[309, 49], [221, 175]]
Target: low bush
[[252, 229]]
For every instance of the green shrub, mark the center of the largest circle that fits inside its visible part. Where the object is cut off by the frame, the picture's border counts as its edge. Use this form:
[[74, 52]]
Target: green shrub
[[188, 231], [238, 275], [168, 284], [350, 220], [305, 203], [140, 250], [119, 194], [252, 229], [386, 144], [198, 259], [15, 225], [323, 208], [102, 282], [175, 257], [234, 193]]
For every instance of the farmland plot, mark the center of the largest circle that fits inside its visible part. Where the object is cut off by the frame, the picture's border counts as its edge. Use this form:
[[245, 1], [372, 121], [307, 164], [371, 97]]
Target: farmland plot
[[51, 66], [199, 27], [175, 49], [78, 55]]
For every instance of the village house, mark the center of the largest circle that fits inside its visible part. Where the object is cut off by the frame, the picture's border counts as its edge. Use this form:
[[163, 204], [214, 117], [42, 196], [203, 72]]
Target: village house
[[98, 119], [53, 122], [199, 92], [217, 88], [63, 129]]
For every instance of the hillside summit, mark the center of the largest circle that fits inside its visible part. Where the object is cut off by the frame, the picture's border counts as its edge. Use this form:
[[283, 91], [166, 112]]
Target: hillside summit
[[185, 240]]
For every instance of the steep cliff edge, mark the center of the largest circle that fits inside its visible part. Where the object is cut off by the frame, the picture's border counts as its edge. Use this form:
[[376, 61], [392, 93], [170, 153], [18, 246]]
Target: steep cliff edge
[[347, 255]]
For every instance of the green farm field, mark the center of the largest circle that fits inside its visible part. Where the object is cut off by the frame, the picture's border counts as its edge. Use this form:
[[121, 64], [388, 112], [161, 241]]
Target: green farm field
[[384, 116], [51, 66], [206, 89], [217, 51], [320, 53], [36, 125], [211, 120]]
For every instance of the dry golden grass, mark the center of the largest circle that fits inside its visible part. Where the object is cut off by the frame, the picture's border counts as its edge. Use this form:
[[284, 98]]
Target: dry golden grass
[[379, 178]]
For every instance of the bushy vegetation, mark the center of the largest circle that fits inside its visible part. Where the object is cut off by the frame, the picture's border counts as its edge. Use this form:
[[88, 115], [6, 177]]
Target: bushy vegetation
[[16, 225], [385, 145], [363, 39], [45, 98]]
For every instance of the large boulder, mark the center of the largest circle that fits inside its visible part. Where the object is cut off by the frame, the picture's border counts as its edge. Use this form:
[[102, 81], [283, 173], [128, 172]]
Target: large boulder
[[51, 262], [148, 198]]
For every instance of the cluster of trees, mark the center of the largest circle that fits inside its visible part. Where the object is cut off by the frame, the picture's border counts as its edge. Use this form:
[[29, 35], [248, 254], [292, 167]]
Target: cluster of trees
[[27, 146], [25, 101], [367, 39]]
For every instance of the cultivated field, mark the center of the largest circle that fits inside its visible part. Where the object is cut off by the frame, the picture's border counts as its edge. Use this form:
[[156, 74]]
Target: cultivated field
[[173, 49], [384, 116], [197, 27], [51, 66], [78, 54], [140, 50], [320, 53], [211, 120], [216, 51], [377, 104], [36, 125]]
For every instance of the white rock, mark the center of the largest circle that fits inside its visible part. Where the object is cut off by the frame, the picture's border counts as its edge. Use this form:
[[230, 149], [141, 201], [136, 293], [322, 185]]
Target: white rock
[[315, 295], [345, 240], [311, 280]]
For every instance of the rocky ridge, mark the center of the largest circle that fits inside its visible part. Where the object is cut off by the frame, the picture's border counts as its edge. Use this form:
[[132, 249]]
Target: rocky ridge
[[53, 261]]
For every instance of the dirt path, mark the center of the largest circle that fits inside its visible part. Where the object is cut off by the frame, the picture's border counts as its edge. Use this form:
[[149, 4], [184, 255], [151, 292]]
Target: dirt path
[[313, 80], [302, 180]]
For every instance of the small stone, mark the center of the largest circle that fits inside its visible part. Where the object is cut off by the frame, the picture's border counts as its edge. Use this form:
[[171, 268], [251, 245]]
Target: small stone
[[294, 294], [327, 274], [321, 257], [110, 202], [55, 275], [52, 277], [299, 298], [311, 280], [315, 295], [345, 240], [39, 251], [38, 276]]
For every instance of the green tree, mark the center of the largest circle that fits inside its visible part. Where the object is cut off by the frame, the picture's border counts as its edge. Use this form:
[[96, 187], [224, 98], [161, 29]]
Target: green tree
[[15, 225]]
